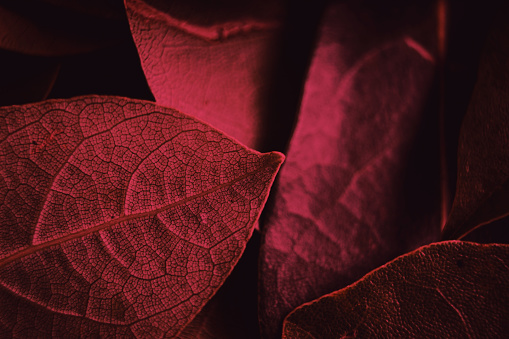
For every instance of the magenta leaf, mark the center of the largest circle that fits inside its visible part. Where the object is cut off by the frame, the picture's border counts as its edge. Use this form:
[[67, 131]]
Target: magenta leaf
[[211, 65], [444, 290], [119, 217], [232, 312], [347, 201], [482, 189]]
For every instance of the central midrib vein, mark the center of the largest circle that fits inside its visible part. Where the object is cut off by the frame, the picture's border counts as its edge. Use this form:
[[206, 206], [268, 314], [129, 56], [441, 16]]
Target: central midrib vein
[[33, 249]]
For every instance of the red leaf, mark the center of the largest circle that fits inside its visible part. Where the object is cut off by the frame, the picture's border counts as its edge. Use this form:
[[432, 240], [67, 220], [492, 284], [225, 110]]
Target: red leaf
[[210, 66], [347, 199], [232, 312], [119, 217], [482, 189], [445, 290]]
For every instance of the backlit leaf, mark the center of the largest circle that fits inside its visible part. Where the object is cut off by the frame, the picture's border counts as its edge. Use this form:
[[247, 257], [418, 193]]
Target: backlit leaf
[[118, 217]]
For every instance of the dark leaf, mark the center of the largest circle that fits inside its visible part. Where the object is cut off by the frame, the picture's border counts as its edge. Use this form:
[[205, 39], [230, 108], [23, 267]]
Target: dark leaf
[[445, 290], [482, 190]]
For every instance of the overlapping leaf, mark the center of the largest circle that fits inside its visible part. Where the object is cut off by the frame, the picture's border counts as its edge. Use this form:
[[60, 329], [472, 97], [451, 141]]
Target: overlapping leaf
[[232, 312], [99, 236], [352, 194], [445, 290], [482, 192], [208, 63], [119, 217]]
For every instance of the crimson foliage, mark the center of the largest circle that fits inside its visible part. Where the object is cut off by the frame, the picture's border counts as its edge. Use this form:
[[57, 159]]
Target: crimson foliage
[[127, 196]]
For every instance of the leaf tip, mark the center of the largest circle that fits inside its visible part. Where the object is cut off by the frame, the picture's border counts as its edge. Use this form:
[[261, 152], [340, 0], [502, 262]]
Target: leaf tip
[[276, 157], [274, 160]]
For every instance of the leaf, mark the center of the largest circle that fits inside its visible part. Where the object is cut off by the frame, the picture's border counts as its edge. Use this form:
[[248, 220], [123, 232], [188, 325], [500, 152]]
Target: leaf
[[467, 26], [445, 290], [212, 64], [360, 185], [51, 28], [482, 189], [119, 217], [232, 312]]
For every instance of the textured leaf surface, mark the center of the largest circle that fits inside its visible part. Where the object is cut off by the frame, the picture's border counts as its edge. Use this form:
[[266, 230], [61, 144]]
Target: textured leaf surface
[[445, 290], [351, 195], [232, 312], [482, 192], [119, 217], [210, 66]]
